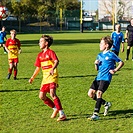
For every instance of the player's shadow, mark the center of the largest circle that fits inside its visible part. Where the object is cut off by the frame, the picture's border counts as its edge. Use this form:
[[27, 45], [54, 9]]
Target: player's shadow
[[115, 114], [121, 112], [77, 116], [18, 90]]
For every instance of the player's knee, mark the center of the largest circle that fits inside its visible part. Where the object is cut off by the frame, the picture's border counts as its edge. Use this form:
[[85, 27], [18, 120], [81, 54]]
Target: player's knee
[[42, 97], [90, 94], [99, 94]]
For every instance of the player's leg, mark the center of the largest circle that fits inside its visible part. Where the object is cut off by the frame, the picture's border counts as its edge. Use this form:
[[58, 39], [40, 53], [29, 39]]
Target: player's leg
[[57, 102], [15, 70], [10, 69], [44, 98], [5, 52], [129, 44], [103, 86]]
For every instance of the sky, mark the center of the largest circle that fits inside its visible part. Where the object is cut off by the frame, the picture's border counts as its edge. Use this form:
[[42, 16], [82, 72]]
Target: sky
[[90, 5]]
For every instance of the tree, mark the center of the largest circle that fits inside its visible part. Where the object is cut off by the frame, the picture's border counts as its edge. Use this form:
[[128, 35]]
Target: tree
[[120, 8]]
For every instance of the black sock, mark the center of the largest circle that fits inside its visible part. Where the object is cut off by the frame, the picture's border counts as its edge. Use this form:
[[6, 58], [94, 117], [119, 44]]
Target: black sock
[[98, 105], [95, 98], [128, 52]]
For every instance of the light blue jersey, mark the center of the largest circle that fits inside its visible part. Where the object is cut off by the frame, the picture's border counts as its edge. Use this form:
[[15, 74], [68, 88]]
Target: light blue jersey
[[106, 62], [117, 38], [2, 36]]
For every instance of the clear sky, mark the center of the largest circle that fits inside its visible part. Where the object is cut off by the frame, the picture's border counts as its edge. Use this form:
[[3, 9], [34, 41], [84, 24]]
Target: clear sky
[[90, 5]]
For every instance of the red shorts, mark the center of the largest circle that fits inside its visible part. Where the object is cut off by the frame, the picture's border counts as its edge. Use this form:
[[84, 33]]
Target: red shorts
[[47, 87], [15, 60]]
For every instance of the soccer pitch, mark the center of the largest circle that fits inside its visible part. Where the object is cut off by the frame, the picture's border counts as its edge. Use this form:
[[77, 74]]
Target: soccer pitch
[[21, 111]]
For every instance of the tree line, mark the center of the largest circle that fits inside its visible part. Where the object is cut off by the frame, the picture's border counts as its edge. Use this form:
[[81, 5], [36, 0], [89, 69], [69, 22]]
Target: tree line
[[41, 9]]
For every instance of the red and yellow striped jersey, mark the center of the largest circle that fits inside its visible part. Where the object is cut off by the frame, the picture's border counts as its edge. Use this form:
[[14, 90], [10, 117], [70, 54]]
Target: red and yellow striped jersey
[[45, 60], [13, 46]]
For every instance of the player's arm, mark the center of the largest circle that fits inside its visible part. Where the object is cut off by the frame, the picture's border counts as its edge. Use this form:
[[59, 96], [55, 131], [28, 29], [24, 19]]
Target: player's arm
[[56, 62], [122, 47], [121, 63], [37, 70], [126, 35], [96, 64]]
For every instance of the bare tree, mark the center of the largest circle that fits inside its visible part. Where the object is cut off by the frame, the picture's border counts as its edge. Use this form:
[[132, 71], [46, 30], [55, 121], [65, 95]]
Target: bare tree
[[120, 7]]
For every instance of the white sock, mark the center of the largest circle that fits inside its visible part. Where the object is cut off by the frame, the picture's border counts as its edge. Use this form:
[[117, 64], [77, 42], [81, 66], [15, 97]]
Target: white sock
[[61, 112], [54, 108]]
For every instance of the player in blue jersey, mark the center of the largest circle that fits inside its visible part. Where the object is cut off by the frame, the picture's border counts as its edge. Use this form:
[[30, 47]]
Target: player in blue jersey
[[2, 36], [129, 39], [118, 38], [104, 64]]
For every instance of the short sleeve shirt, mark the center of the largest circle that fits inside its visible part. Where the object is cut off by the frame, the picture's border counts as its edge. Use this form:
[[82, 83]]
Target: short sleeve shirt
[[117, 38], [106, 63], [45, 60], [13, 46]]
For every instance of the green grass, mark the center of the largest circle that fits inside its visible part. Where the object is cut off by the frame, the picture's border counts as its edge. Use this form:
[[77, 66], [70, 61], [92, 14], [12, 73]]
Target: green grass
[[22, 111]]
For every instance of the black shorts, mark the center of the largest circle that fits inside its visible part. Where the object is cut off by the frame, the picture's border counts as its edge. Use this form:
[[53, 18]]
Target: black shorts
[[130, 43], [100, 85]]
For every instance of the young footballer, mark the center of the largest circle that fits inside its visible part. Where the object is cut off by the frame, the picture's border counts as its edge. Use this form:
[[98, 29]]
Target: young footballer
[[104, 64], [118, 38], [12, 46], [129, 39], [48, 62], [2, 36]]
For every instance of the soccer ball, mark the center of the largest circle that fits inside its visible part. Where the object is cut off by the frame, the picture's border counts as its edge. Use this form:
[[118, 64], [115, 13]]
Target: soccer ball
[[3, 12]]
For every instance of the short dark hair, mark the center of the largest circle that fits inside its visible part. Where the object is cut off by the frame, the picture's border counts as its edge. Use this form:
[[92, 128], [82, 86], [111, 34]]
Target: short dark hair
[[48, 39], [108, 40]]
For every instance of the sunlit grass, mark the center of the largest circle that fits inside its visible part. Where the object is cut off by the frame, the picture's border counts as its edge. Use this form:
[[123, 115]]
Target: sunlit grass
[[23, 112]]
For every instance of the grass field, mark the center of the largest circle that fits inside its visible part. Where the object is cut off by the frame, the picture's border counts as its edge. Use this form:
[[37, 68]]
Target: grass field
[[21, 111]]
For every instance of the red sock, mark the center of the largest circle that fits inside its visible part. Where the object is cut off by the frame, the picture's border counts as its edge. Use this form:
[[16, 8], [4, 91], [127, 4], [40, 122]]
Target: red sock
[[58, 103], [49, 102], [15, 73]]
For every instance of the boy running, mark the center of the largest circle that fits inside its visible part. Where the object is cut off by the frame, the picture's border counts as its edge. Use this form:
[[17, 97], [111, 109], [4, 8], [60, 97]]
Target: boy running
[[48, 62], [105, 65], [2, 36], [12, 46]]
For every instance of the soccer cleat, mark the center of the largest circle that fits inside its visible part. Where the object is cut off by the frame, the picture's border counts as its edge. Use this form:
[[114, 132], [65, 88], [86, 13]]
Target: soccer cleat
[[15, 78], [55, 112], [61, 118], [94, 117], [107, 107], [8, 76]]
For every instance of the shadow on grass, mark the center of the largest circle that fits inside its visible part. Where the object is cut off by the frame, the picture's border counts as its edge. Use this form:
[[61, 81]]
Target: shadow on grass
[[111, 115], [78, 76], [120, 112], [29, 43], [125, 68], [18, 90]]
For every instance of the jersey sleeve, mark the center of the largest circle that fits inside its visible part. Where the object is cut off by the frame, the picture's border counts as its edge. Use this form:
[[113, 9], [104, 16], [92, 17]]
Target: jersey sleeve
[[19, 44], [37, 62], [116, 58], [7, 43], [53, 56]]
